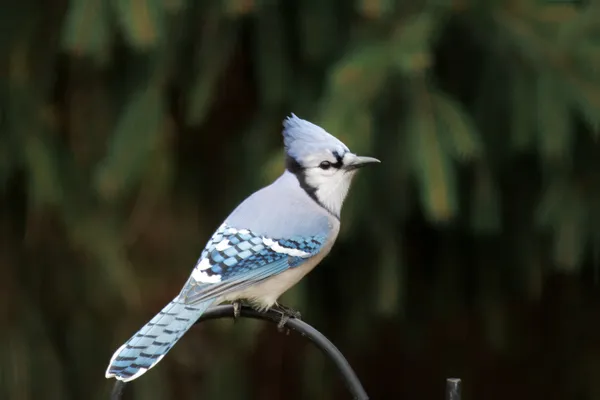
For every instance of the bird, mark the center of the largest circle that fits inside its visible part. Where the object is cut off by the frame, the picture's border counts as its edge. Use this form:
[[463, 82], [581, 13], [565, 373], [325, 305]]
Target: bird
[[268, 243]]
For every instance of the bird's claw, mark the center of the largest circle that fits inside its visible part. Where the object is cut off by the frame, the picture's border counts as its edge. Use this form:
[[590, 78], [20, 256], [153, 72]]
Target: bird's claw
[[281, 324], [287, 311], [286, 314]]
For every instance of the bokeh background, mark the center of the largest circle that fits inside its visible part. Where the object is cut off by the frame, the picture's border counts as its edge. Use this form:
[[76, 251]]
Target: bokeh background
[[130, 128]]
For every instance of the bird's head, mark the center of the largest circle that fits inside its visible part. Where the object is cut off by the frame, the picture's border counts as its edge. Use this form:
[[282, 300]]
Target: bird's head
[[323, 164]]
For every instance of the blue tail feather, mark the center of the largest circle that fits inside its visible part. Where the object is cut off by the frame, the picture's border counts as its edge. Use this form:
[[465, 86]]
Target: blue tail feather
[[150, 344]]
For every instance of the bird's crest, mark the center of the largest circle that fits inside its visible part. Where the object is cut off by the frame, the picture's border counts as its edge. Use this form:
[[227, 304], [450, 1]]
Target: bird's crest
[[303, 138]]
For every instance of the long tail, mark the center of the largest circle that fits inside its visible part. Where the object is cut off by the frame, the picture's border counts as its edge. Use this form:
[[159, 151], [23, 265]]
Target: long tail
[[150, 344]]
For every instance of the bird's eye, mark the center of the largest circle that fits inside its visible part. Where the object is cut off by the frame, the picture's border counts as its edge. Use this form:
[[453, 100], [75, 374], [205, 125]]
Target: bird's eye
[[325, 165]]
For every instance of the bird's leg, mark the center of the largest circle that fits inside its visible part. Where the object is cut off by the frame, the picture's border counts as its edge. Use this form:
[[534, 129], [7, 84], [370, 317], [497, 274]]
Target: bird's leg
[[287, 311], [286, 314], [284, 319], [237, 306]]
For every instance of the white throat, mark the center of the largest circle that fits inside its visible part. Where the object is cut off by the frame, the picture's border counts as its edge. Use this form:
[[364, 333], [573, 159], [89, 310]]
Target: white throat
[[330, 192]]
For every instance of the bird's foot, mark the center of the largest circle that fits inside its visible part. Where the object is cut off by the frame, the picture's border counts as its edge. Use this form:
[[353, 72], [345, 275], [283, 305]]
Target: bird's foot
[[237, 306], [289, 312], [281, 325], [286, 314]]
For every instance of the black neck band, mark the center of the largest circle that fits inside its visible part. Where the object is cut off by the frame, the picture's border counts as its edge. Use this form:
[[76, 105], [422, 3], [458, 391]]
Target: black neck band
[[295, 168]]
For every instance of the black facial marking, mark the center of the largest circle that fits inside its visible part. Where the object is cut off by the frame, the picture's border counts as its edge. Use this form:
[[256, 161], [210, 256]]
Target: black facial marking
[[292, 165], [295, 168], [339, 160]]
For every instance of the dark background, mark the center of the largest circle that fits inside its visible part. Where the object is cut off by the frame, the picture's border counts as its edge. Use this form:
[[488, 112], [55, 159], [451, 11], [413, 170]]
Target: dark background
[[129, 129]]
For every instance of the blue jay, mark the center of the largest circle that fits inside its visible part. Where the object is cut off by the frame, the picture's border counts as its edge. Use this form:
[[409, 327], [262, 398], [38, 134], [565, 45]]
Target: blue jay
[[266, 245]]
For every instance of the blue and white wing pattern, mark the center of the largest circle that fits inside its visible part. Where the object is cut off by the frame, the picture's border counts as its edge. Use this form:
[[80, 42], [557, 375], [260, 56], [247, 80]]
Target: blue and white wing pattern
[[237, 258]]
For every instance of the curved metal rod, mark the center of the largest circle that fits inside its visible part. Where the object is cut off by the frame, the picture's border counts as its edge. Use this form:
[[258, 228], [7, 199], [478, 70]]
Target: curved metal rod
[[317, 338]]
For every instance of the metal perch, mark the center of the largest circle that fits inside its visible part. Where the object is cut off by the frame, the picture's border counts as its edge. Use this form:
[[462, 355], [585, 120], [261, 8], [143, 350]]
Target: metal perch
[[453, 391], [317, 338]]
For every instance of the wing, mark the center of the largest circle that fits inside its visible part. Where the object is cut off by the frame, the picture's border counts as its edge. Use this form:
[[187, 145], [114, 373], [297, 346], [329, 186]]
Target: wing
[[237, 258]]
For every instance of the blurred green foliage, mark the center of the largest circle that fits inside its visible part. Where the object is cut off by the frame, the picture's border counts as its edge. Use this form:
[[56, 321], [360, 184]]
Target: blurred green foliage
[[130, 128]]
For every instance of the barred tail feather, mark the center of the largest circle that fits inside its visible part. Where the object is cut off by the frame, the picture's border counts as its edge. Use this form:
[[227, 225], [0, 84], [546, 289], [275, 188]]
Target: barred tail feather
[[150, 344]]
